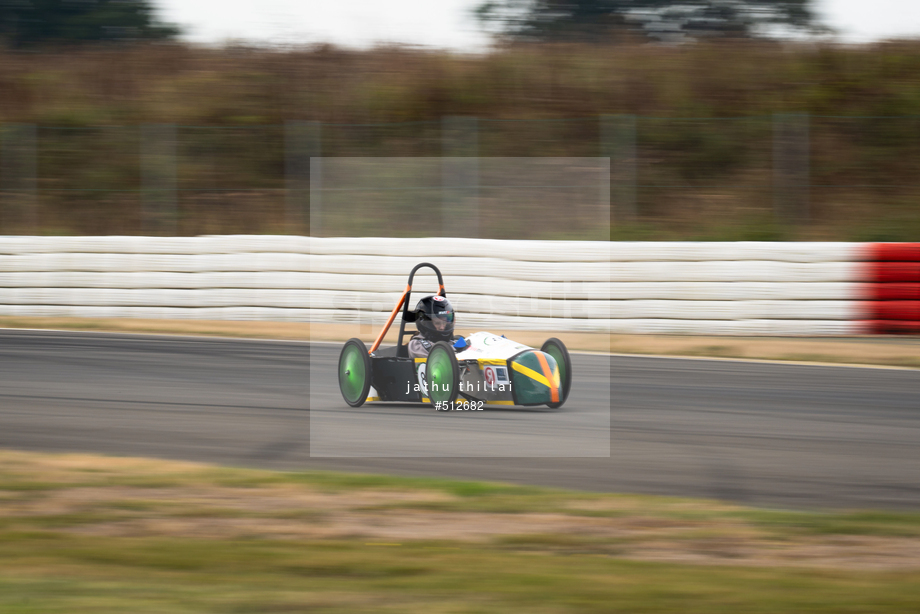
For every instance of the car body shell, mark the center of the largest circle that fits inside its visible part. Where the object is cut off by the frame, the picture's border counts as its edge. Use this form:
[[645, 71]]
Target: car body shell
[[493, 369]]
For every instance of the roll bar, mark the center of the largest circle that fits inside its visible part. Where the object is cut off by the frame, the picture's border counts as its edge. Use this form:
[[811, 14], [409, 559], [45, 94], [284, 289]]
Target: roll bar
[[404, 304]]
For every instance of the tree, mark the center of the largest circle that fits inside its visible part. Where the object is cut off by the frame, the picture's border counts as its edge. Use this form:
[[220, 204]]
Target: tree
[[25, 23], [661, 19]]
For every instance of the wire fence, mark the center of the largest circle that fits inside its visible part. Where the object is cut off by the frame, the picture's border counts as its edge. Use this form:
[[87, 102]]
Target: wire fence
[[763, 177]]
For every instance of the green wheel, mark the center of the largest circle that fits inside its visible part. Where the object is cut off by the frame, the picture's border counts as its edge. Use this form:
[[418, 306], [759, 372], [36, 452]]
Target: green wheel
[[354, 372], [442, 374], [556, 349]]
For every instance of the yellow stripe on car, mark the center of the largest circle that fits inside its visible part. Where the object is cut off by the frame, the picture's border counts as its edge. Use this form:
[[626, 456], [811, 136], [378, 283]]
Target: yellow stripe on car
[[531, 374]]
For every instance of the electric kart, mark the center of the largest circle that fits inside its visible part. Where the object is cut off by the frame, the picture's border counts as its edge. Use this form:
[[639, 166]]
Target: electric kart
[[487, 370]]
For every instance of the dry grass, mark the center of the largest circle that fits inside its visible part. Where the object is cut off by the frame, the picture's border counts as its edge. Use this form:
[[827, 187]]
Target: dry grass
[[83, 533], [97, 496]]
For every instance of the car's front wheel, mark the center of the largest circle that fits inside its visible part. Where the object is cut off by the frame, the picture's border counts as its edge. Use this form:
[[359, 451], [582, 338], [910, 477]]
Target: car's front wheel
[[442, 374]]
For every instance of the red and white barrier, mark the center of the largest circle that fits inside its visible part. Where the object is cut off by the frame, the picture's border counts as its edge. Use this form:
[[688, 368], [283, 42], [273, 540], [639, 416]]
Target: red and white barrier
[[891, 299], [741, 288]]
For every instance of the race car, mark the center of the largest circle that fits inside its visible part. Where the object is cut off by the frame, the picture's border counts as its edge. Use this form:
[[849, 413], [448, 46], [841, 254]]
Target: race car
[[485, 369]]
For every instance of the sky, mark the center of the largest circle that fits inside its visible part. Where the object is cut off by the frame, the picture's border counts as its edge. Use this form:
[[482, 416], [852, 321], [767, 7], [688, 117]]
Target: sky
[[446, 23]]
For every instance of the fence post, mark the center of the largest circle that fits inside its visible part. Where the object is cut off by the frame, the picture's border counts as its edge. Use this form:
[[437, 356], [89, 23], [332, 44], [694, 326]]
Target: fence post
[[19, 179], [159, 214], [302, 143], [460, 176], [791, 168], [604, 194], [618, 142]]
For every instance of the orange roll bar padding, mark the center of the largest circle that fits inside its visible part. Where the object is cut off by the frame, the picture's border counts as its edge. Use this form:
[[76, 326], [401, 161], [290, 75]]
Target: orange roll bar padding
[[383, 333]]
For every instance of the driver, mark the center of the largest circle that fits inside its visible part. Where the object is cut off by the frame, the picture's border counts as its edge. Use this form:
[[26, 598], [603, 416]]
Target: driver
[[434, 317]]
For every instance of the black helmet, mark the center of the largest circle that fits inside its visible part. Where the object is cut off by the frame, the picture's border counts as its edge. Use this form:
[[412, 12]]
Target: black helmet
[[434, 317]]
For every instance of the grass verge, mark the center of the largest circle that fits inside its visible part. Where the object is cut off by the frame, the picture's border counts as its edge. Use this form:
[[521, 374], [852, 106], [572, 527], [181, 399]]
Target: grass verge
[[83, 533]]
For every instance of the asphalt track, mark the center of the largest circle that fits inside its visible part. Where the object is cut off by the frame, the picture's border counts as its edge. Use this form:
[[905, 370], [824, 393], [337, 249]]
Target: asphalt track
[[775, 435]]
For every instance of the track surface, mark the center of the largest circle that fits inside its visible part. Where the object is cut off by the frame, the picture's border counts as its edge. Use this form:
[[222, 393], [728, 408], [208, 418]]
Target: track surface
[[766, 434]]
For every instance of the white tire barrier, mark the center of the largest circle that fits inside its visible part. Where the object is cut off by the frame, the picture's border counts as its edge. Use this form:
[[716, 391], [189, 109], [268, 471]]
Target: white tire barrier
[[743, 288]]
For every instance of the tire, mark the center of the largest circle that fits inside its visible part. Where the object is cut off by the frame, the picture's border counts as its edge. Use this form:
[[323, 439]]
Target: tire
[[442, 374], [560, 354], [354, 372]]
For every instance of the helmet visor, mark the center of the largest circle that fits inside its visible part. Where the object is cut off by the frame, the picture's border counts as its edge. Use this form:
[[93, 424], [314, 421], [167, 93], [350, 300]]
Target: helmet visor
[[443, 320]]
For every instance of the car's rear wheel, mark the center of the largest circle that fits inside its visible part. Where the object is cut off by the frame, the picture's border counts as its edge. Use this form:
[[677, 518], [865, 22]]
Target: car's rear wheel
[[354, 372], [560, 354], [442, 374]]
